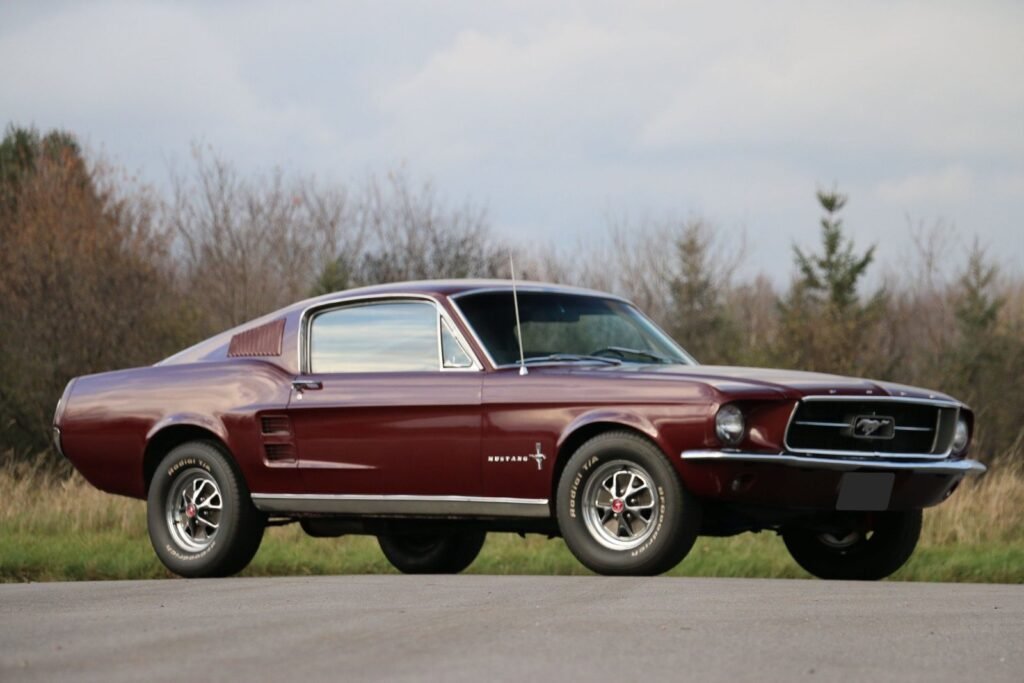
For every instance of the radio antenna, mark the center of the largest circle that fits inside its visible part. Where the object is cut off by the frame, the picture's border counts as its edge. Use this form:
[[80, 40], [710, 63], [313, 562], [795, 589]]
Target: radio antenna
[[515, 301]]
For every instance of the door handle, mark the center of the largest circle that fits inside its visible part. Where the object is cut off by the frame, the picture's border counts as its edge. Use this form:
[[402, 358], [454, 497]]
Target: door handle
[[307, 385]]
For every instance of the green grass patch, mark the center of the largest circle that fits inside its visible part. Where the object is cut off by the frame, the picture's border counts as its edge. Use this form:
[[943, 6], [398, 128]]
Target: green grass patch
[[71, 556]]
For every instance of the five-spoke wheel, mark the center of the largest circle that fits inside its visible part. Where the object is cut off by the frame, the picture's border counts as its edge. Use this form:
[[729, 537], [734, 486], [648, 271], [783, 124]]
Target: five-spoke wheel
[[620, 505], [194, 509]]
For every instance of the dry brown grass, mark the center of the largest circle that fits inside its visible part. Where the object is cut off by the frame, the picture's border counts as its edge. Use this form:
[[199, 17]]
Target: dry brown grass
[[35, 499], [985, 509]]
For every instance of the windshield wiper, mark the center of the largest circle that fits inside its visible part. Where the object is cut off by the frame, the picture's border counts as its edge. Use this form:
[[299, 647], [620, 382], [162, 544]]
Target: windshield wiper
[[572, 358], [639, 352]]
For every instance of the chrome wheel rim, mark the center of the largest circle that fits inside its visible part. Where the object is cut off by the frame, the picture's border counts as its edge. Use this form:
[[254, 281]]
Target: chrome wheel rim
[[620, 505], [194, 509]]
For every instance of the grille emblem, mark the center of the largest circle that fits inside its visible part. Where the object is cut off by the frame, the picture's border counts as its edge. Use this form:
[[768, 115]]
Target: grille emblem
[[874, 427]]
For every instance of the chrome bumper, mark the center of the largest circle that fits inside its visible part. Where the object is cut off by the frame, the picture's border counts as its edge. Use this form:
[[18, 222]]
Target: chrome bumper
[[841, 464], [56, 442]]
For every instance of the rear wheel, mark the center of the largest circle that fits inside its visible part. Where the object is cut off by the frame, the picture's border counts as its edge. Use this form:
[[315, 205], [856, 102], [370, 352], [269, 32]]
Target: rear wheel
[[622, 508], [432, 553], [862, 552], [201, 519]]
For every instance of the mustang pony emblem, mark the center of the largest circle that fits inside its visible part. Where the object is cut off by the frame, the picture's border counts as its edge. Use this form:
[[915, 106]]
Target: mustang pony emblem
[[874, 427], [538, 456]]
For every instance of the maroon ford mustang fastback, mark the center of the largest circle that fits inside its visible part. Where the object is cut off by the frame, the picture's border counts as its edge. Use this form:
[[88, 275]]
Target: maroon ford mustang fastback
[[412, 412]]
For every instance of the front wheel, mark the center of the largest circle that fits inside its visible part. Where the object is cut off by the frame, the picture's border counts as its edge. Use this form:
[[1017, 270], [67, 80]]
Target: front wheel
[[201, 519], [432, 553], [864, 552], [622, 509]]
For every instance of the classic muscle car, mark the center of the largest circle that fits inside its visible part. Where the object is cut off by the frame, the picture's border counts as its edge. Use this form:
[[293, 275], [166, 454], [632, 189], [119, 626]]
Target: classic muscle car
[[429, 413]]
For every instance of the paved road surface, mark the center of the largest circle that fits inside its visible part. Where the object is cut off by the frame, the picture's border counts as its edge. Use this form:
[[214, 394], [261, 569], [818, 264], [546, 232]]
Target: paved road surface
[[476, 628]]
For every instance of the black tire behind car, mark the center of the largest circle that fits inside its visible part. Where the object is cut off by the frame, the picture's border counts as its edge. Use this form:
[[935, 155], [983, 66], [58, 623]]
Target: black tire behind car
[[622, 508], [868, 556], [432, 553], [182, 505]]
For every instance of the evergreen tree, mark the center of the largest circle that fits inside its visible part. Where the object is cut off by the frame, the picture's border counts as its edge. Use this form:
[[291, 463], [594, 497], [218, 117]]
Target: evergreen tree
[[699, 318], [335, 276], [824, 325]]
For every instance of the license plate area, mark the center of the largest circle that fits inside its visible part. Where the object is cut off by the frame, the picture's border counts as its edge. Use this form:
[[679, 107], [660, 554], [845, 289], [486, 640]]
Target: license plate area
[[866, 491]]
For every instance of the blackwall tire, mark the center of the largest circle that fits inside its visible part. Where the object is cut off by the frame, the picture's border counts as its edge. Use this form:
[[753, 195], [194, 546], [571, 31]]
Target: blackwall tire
[[865, 557], [432, 553], [200, 516], [623, 510]]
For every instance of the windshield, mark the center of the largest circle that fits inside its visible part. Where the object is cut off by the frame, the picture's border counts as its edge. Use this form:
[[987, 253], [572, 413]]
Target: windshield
[[566, 327]]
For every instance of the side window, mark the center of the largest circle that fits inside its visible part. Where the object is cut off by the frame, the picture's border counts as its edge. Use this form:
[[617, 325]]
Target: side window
[[452, 353], [392, 336]]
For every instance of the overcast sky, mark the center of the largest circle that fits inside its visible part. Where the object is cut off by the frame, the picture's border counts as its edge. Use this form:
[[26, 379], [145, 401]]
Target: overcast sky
[[554, 115]]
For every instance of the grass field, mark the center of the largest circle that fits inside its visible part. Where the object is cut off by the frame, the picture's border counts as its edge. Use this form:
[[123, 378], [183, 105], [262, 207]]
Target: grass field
[[55, 529]]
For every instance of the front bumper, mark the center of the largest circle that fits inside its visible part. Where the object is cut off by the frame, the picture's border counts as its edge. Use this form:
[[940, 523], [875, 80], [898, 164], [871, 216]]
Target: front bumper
[[839, 464], [804, 482]]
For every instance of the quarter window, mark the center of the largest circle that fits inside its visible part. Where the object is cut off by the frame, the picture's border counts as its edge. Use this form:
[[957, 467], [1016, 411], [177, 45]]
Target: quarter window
[[393, 336], [451, 350]]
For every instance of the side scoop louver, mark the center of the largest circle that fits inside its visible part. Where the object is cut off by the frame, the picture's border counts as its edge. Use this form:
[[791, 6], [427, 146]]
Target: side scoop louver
[[265, 340]]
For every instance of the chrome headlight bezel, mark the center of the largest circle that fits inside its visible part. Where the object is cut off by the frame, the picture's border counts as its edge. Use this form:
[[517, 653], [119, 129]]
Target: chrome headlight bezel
[[730, 425]]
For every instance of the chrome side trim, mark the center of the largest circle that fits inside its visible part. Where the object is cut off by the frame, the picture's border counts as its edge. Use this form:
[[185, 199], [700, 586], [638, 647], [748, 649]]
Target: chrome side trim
[[944, 467], [346, 504]]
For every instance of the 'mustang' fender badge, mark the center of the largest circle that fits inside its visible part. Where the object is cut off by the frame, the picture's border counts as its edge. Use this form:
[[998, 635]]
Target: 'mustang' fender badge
[[537, 457]]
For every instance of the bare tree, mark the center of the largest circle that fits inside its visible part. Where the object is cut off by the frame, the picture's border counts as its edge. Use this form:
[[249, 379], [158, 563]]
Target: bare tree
[[250, 245]]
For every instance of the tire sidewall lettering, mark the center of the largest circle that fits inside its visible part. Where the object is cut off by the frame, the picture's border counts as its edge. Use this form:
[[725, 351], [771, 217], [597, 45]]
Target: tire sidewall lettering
[[577, 480], [185, 462], [188, 461], [575, 501], [191, 557], [636, 552]]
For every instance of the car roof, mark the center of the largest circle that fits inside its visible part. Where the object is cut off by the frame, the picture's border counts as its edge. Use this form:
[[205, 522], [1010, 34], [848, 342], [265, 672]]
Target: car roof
[[453, 288], [433, 288]]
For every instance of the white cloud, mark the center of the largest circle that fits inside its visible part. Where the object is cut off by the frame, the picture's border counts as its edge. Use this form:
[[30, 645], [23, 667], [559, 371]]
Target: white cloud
[[555, 114], [952, 183], [151, 73]]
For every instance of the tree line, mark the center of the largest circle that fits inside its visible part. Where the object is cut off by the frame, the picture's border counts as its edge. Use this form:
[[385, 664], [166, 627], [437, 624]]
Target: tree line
[[99, 271]]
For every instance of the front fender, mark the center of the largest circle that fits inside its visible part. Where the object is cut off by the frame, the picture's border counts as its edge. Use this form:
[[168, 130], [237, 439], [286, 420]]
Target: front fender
[[610, 416]]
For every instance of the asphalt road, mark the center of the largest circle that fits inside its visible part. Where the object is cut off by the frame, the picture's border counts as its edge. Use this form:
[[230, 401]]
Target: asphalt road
[[521, 628]]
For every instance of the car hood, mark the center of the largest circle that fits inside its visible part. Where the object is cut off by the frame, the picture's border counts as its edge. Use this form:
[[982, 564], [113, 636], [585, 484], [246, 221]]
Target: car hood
[[787, 383]]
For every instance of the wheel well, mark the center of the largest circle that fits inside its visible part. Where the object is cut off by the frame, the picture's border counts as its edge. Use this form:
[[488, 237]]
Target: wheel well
[[580, 437], [164, 441]]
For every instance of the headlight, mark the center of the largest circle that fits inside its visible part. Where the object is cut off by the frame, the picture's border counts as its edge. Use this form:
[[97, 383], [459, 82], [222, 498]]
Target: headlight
[[729, 425], [961, 436]]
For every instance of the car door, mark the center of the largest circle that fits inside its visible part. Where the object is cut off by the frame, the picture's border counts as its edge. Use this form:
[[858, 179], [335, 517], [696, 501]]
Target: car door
[[388, 403]]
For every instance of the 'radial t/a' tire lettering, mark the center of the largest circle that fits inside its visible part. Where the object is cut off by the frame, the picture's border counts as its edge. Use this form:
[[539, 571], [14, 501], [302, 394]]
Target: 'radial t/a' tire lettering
[[622, 509], [200, 516]]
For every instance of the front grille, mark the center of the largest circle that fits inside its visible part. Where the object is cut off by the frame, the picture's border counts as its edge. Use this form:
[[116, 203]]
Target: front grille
[[870, 427]]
